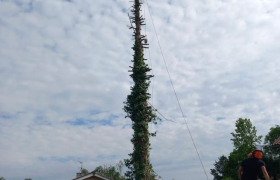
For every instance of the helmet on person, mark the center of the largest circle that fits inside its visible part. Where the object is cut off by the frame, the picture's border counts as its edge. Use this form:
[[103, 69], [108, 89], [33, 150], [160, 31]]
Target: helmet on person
[[256, 154]]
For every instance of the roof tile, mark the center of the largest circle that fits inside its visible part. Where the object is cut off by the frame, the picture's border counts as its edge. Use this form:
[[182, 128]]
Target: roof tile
[[276, 142]]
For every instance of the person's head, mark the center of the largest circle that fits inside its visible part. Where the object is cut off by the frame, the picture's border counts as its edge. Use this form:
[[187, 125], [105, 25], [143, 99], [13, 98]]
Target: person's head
[[256, 154]]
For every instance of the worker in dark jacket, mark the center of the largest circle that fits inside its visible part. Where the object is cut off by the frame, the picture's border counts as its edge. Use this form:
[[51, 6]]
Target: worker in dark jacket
[[251, 167]]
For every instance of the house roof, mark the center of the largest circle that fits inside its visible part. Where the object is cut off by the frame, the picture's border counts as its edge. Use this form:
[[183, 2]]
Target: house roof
[[276, 142], [93, 174]]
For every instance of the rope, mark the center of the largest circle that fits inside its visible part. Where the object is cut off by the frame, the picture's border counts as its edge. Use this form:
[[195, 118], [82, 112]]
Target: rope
[[160, 113], [176, 93]]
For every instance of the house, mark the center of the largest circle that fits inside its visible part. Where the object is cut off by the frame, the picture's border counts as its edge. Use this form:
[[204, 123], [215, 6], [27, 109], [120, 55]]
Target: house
[[92, 176], [276, 143]]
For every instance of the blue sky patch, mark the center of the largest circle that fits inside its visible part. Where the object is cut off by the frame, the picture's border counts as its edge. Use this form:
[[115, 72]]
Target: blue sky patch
[[58, 159], [5, 117], [77, 122], [94, 112], [25, 7], [220, 118], [51, 47]]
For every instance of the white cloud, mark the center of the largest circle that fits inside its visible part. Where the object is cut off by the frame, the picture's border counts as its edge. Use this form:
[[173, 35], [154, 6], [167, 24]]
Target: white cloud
[[65, 61]]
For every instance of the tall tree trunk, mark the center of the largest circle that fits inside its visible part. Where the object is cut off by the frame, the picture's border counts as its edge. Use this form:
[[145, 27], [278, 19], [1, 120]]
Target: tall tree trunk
[[137, 108]]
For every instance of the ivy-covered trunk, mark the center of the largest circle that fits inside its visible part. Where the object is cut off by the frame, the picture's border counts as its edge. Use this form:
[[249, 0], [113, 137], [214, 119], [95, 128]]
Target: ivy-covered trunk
[[137, 107]]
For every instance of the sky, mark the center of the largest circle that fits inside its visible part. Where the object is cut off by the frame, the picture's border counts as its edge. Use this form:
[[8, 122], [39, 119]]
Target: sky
[[64, 77]]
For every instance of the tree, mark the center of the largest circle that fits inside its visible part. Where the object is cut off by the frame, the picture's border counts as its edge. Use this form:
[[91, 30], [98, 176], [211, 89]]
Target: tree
[[245, 136], [269, 139], [110, 171], [244, 140], [27, 179], [1, 178], [119, 166], [272, 167], [137, 107], [84, 172], [217, 172], [228, 178], [271, 155]]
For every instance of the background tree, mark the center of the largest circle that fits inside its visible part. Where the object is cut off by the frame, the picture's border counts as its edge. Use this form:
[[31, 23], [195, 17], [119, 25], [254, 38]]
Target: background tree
[[84, 171], [244, 140], [114, 172], [1, 178], [27, 179], [119, 167], [217, 172], [272, 155], [269, 139]]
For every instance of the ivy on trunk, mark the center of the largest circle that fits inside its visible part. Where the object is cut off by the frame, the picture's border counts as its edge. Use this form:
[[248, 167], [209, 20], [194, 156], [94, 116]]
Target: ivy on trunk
[[137, 107]]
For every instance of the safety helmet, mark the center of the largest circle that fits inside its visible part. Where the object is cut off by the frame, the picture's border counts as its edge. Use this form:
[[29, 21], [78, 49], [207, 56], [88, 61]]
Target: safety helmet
[[257, 154]]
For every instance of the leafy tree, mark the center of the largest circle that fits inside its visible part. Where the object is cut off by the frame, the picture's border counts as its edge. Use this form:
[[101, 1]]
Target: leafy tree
[[1, 178], [137, 108], [114, 172], [244, 140], [273, 134], [84, 172], [272, 167], [231, 167], [119, 166], [217, 172], [245, 136], [228, 178], [27, 179], [272, 155]]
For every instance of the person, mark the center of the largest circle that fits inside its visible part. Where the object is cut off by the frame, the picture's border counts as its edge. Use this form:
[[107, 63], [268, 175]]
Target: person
[[251, 167]]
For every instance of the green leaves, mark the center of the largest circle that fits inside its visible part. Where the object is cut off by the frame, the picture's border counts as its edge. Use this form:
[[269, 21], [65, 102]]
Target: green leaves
[[272, 155], [245, 136], [217, 172], [84, 171], [114, 172], [138, 109], [273, 134], [244, 139]]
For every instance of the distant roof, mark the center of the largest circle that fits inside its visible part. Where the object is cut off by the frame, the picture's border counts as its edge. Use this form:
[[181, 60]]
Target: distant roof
[[93, 174], [276, 143]]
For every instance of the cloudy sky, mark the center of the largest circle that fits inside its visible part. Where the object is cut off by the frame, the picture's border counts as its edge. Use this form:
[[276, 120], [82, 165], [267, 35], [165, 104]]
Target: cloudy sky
[[64, 77]]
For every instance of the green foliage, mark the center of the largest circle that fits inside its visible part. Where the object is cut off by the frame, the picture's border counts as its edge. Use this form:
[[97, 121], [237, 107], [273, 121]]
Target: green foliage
[[1, 178], [27, 179], [244, 140], [272, 166], [119, 166], [228, 178], [141, 115], [245, 136], [114, 172], [138, 110], [84, 172], [272, 155], [232, 165], [217, 172], [273, 134]]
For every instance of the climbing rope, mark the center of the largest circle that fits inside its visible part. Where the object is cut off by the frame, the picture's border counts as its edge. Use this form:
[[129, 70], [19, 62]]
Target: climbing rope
[[175, 92]]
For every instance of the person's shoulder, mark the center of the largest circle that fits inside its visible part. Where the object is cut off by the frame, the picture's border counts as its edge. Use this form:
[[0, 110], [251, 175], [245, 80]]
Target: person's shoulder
[[245, 161], [261, 163]]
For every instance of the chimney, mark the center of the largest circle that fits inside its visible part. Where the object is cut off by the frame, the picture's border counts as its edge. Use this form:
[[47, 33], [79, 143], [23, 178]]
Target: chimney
[[78, 175]]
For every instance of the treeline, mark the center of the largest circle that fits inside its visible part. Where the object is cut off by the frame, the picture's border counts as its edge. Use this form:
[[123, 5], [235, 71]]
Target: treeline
[[244, 141], [114, 172]]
